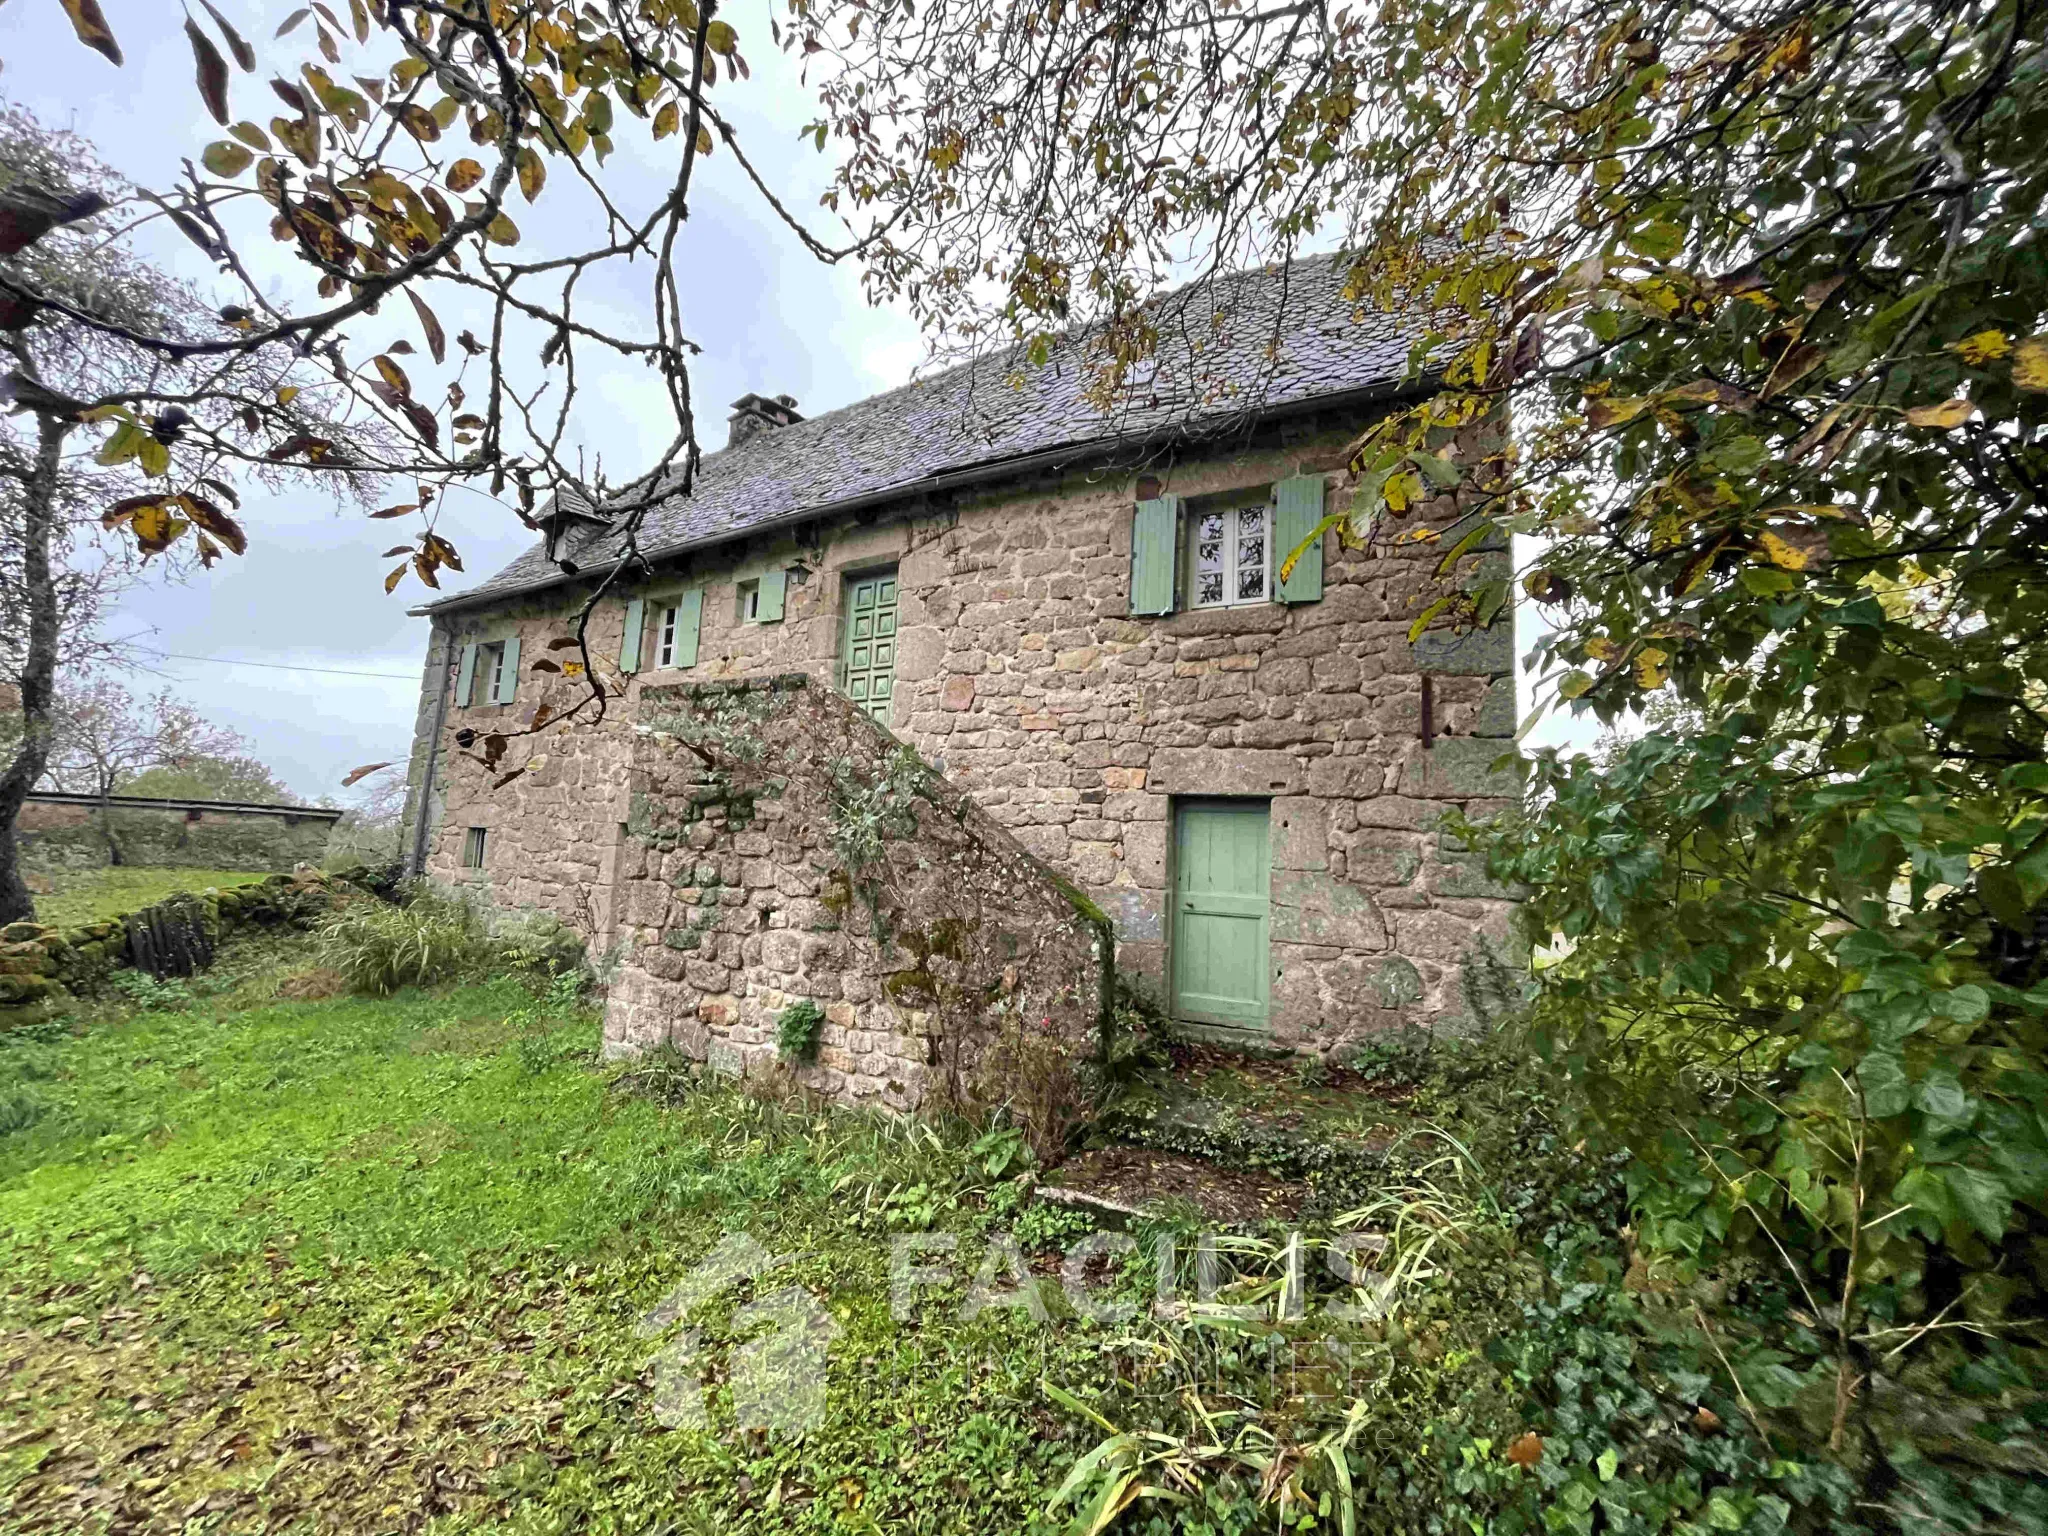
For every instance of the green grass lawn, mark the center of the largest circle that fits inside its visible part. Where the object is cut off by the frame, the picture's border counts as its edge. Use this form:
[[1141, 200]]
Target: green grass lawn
[[379, 1265], [91, 895]]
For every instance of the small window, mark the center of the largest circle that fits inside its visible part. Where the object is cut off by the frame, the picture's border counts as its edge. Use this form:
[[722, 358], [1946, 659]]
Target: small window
[[473, 848], [665, 636], [1230, 557], [747, 610], [492, 685]]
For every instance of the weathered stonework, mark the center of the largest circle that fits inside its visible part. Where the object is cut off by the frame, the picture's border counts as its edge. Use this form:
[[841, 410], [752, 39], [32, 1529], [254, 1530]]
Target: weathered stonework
[[74, 832], [43, 965], [1022, 676], [782, 847]]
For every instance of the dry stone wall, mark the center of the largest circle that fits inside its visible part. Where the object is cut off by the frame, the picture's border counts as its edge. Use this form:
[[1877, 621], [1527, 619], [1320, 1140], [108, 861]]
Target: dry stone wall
[[1024, 678], [43, 965], [782, 849], [66, 835]]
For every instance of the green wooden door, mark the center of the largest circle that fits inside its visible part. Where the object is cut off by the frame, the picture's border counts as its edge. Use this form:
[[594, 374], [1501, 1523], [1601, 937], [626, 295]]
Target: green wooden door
[[1220, 888], [867, 658]]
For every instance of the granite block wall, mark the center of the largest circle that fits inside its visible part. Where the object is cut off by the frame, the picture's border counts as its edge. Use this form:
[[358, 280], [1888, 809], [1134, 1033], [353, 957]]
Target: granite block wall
[[782, 848], [61, 835], [1025, 680]]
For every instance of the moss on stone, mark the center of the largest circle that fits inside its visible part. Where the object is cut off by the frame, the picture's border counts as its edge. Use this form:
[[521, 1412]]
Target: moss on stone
[[916, 988], [837, 895], [1077, 898]]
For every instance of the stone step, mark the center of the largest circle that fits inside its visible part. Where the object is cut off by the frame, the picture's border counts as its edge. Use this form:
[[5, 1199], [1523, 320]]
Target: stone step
[[1324, 1131], [1123, 1184]]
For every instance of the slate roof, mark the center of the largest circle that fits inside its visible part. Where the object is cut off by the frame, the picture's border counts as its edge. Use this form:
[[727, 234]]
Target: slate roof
[[1230, 350]]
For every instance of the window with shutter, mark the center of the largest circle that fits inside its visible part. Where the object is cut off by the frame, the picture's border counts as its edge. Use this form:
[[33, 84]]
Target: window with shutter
[[629, 644], [679, 625], [1230, 557], [508, 672], [490, 662], [1155, 535], [1297, 512]]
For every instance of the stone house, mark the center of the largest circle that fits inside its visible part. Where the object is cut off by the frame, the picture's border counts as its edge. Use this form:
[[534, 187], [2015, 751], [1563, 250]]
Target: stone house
[[1073, 611]]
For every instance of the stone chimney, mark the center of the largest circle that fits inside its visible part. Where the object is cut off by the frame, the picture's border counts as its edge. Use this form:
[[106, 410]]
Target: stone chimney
[[754, 414]]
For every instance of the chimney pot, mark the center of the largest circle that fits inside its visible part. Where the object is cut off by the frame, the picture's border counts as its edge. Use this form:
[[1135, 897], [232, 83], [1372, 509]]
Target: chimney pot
[[753, 415]]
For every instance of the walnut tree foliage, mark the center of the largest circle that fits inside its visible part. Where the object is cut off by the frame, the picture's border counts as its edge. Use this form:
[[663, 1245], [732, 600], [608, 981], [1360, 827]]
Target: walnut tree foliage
[[377, 312], [386, 150], [1761, 288]]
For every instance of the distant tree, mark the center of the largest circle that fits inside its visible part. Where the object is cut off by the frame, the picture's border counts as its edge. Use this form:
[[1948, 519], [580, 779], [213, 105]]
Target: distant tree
[[369, 832], [233, 776], [68, 540], [105, 738]]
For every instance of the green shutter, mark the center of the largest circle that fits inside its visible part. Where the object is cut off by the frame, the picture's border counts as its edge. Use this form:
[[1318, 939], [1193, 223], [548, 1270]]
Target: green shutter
[[1298, 510], [465, 678], [636, 629], [508, 672], [689, 619], [773, 584], [1155, 530]]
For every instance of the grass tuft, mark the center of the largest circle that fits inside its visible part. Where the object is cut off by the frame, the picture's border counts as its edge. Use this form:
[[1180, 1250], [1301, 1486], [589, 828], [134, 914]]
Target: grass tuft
[[94, 895]]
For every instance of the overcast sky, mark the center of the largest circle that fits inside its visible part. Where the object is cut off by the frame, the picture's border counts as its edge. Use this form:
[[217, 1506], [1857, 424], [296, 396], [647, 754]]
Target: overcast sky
[[309, 592], [308, 595]]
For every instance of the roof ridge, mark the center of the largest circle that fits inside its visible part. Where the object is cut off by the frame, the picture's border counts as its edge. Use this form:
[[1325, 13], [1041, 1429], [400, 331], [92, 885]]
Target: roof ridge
[[1311, 341], [1073, 333]]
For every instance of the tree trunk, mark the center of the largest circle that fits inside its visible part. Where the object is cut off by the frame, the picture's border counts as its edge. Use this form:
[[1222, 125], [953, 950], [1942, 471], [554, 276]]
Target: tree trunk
[[39, 663], [113, 841]]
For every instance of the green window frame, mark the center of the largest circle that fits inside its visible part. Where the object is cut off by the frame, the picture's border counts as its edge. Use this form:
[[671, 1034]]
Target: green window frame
[[492, 665], [678, 624]]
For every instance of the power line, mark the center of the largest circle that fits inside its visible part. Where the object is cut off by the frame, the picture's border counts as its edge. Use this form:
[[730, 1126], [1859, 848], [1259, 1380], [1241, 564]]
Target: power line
[[279, 666]]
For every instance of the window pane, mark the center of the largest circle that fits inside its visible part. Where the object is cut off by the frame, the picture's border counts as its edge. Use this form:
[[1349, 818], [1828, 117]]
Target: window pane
[[1211, 536], [1251, 554]]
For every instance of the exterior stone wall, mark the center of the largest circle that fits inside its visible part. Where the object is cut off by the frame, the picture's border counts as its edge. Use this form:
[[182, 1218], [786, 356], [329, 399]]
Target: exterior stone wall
[[66, 835], [43, 965], [1024, 678], [782, 848]]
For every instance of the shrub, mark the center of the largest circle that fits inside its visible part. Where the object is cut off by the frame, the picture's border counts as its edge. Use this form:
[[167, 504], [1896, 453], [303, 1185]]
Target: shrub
[[539, 945], [1045, 1083], [796, 1030], [149, 994], [379, 948]]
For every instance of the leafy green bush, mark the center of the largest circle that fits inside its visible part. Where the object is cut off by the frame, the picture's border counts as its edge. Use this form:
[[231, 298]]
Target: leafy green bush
[[427, 939], [1789, 991], [1044, 1226], [796, 1030], [148, 993], [538, 944]]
